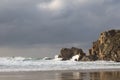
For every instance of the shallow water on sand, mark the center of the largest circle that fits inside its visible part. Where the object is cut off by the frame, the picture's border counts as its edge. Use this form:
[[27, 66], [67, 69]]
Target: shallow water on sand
[[62, 75]]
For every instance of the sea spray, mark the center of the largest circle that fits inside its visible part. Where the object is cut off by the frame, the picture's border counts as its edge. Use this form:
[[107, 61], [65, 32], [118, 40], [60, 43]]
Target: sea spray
[[57, 58], [8, 64], [75, 58]]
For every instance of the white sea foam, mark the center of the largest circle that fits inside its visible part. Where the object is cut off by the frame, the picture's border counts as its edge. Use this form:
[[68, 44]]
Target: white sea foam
[[31, 64], [75, 58], [57, 58]]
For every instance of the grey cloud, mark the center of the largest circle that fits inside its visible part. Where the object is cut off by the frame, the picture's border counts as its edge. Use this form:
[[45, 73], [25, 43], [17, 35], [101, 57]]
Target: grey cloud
[[22, 23]]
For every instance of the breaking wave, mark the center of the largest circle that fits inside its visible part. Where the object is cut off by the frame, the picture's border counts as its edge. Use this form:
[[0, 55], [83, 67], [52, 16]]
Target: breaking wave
[[8, 64]]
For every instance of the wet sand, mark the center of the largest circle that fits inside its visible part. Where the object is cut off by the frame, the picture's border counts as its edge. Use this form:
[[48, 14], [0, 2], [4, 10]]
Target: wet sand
[[61, 75]]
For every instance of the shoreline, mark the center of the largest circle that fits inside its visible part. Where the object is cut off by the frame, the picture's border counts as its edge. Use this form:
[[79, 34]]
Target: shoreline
[[87, 70]]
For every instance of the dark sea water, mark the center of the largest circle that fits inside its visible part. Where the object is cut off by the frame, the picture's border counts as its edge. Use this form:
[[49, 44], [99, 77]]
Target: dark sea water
[[61, 75]]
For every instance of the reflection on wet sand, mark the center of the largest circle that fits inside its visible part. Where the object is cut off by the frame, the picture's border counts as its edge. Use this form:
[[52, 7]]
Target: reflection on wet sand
[[109, 76], [90, 76], [56, 75]]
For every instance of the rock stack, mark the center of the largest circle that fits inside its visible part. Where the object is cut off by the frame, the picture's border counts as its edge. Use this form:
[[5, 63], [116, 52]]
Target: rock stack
[[107, 47], [68, 53]]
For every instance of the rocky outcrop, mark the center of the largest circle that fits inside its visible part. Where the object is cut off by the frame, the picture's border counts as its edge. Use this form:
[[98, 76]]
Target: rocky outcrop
[[107, 47], [68, 53]]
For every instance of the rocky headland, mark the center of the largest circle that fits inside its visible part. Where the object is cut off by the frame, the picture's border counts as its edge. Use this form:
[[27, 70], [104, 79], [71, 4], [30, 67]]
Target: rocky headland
[[107, 48]]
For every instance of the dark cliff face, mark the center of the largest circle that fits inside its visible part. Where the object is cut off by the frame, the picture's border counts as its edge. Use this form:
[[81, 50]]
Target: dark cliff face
[[107, 47]]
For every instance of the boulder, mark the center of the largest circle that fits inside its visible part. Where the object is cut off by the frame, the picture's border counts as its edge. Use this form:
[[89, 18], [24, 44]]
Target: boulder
[[68, 53]]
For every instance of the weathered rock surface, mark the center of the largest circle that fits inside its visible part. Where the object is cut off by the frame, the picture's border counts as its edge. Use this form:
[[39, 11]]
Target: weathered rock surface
[[68, 53], [107, 47]]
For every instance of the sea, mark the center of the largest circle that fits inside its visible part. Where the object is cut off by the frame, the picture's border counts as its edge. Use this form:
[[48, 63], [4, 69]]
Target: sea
[[22, 68], [8, 64]]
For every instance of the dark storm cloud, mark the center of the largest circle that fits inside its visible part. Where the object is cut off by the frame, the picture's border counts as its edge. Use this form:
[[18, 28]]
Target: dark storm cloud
[[26, 22]]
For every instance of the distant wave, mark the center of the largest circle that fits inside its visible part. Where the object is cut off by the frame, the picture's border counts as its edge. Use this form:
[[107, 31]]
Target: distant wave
[[8, 64]]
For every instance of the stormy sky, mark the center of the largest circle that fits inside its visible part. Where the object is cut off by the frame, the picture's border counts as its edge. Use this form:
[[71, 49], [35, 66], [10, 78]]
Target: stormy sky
[[39, 28]]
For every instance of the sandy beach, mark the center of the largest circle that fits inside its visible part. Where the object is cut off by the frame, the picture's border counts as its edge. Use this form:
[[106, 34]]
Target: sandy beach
[[61, 75]]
